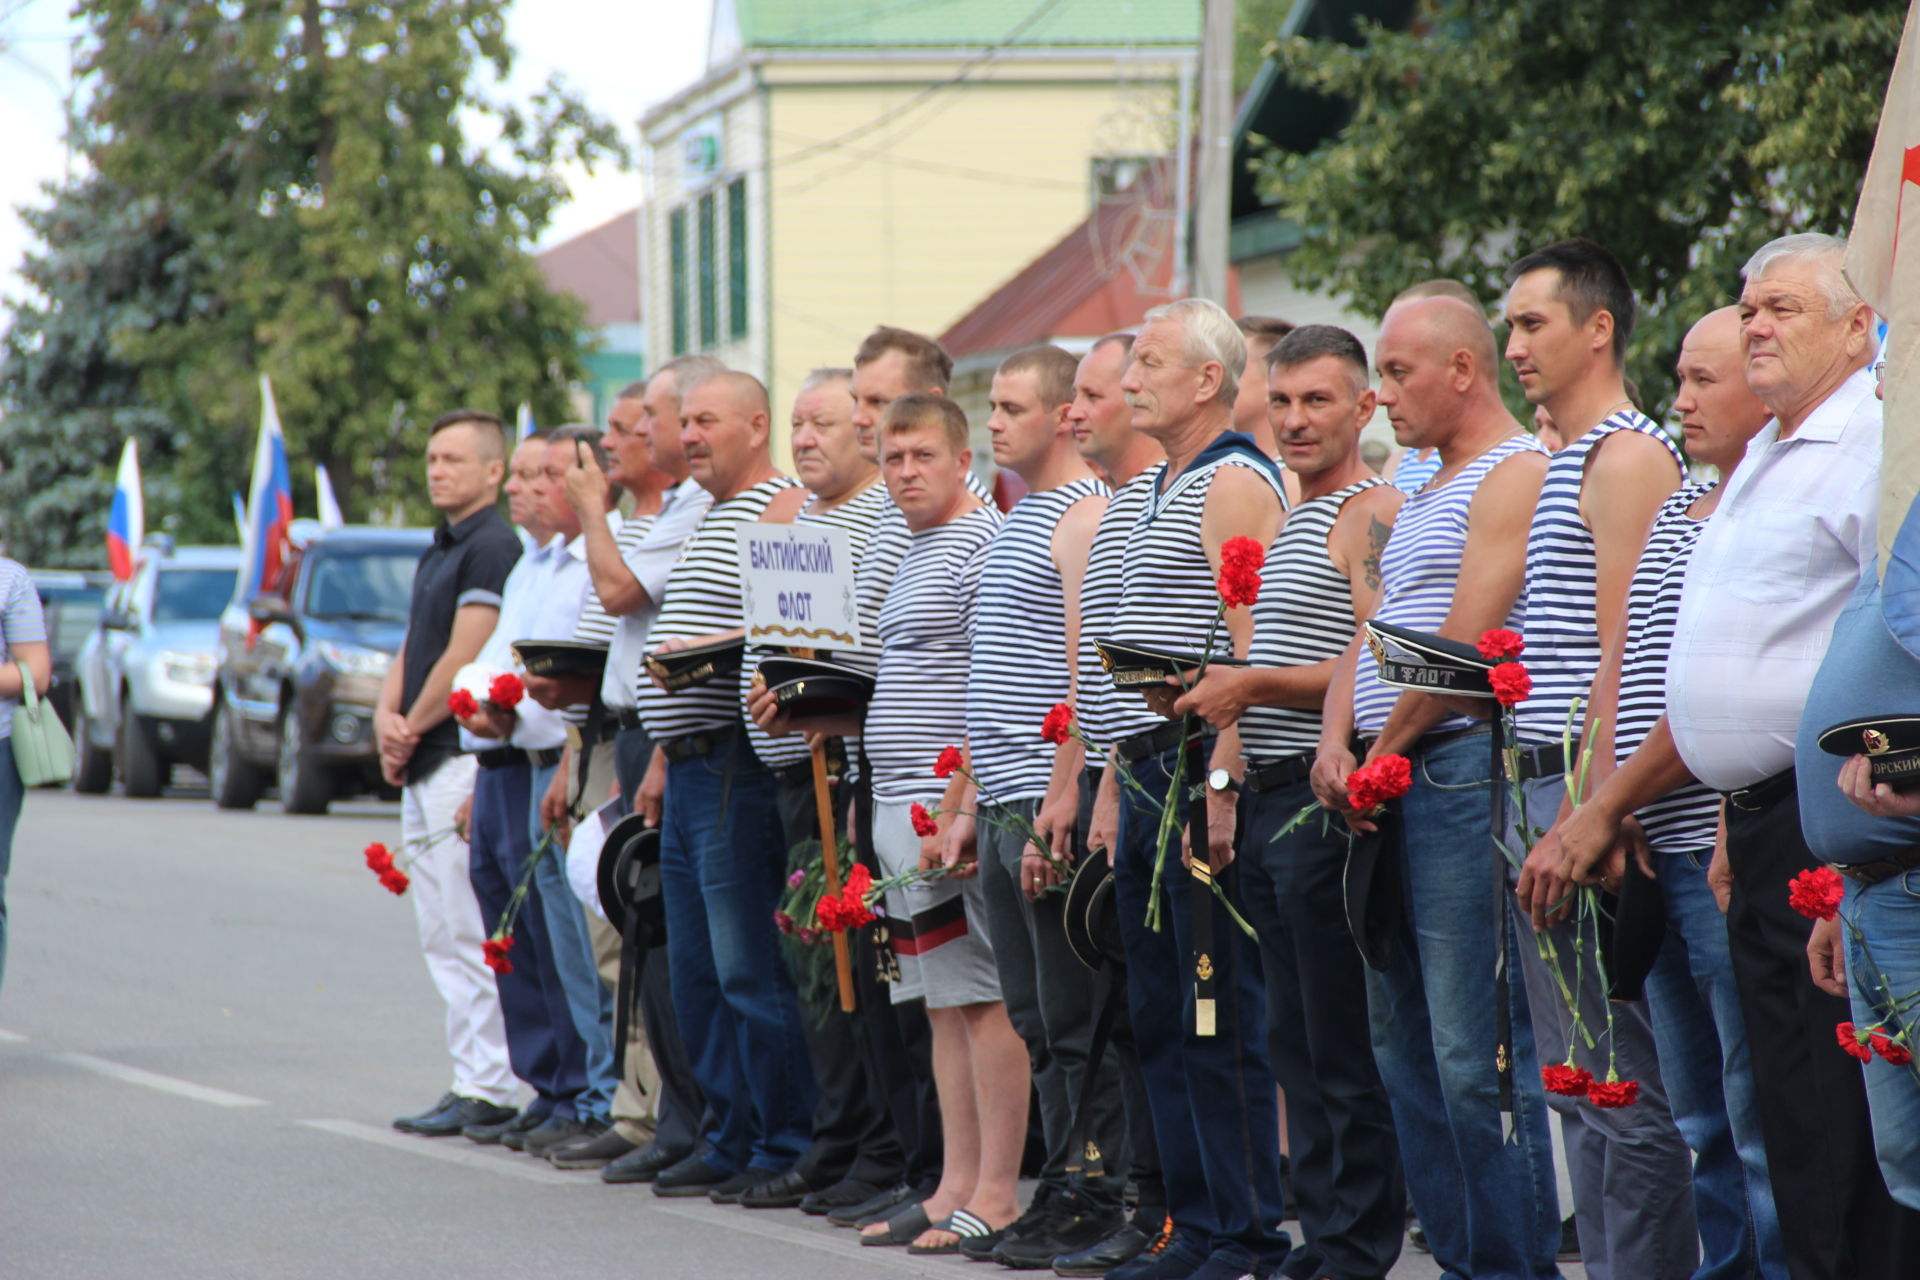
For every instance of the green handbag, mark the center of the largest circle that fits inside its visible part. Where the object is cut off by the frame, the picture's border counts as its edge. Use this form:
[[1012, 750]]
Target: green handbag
[[42, 751]]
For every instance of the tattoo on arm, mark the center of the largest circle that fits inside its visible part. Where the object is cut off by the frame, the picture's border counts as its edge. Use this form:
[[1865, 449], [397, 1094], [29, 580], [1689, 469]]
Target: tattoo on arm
[[1377, 535]]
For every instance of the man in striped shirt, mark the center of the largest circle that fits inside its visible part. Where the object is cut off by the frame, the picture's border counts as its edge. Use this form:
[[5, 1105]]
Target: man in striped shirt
[[1025, 634], [1322, 579], [1103, 431], [721, 863], [1692, 994], [1482, 1182], [1570, 308], [1209, 1086]]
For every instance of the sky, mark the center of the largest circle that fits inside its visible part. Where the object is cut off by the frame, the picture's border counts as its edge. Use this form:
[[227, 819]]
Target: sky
[[620, 56]]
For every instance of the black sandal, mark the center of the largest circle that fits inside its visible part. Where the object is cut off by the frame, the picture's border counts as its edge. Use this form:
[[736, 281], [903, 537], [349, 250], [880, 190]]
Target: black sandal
[[965, 1225], [904, 1227]]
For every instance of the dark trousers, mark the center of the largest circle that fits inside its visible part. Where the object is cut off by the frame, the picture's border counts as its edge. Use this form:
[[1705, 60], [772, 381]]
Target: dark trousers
[[853, 1136], [542, 1045], [1050, 1000], [1212, 1097], [1344, 1155], [680, 1107], [1836, 1217], [898, 1049]]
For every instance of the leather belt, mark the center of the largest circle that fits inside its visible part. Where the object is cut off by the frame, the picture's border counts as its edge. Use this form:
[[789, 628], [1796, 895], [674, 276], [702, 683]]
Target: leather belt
[[1872, 873], [1153, 742], [629, 718], [1275, 774], [689, 746], [1528, 763], [499, 757], [1763, 794]]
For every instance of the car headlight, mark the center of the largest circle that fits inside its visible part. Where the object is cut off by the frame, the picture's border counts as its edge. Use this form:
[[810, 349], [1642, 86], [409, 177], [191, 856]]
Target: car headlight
[[354, 660], [187, 668]]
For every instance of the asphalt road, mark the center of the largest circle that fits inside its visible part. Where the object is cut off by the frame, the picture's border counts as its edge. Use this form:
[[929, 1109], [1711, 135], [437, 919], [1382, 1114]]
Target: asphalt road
[[208, 1020]]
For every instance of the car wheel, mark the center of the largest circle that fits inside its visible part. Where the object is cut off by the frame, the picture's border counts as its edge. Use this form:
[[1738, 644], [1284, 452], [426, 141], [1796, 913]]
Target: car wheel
[[236, 783], [305, 786], [142, 773], [92, 767]]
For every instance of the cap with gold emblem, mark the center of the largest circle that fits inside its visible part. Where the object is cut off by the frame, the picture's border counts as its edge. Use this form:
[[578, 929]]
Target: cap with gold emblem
[[1139, 666], [697, 663], [1890, 743], [810, 687], [562, 658], [1412, 659]]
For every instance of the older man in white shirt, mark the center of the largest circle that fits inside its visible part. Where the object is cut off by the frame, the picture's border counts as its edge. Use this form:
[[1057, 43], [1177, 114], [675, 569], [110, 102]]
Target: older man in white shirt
[[1768, 580]]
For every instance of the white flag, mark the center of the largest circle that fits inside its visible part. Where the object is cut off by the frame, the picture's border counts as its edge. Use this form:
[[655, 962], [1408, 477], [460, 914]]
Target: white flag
[[324, 502]]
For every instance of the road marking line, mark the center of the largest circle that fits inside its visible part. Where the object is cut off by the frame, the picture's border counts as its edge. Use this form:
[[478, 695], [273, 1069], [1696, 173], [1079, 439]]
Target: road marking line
[[12, 1037], [439, 1149], [819, 1242], [154, 1080]]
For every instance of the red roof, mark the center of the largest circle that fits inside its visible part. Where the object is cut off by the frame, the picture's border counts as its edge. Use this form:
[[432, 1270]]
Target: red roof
[[1101, 277], [601, 267]]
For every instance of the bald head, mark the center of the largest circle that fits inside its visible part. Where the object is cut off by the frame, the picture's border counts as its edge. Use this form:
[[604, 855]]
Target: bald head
[[1715, 329], [1441, 325]]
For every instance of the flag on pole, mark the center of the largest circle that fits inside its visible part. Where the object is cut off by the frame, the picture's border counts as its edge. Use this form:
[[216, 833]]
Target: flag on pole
[[127, 519], [325, 504], [1890, 282], [523, 421], [269, 500]]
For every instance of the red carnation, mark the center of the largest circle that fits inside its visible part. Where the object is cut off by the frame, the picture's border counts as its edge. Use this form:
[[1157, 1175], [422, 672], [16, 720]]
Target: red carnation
[[1566, 1080], [1056, 728], [394, 881], [1891, 1050], [1511, 683], [1612, 1094], [827, 912], [462, 704], [495, 951], [1500, 645], [506, 691], [1816, 893], [1240, 561], [948, 762], [1372, 785], [859, 882], [1851, 1041], [378, 858], [923, 823], [854, 912]]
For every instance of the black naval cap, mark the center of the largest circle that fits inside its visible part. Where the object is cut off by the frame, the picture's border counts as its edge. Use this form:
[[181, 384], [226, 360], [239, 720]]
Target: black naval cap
[[1890, 743], [812, 687], [697, 664], [561, 658], [1412, 659], [1140, 666]]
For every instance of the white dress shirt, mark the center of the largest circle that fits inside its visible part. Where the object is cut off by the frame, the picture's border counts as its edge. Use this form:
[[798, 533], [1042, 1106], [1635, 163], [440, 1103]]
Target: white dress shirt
[[682, 508], [541, 601], [1785, 548]]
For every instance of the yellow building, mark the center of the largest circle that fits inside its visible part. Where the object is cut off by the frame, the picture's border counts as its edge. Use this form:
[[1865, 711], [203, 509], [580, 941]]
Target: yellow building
[[847, 163]]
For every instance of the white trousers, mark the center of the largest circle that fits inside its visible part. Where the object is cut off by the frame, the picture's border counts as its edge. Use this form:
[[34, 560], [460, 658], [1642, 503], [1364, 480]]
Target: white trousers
[[448, 915]]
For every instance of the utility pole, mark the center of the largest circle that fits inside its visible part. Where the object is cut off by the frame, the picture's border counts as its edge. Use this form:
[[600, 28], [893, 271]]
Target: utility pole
[[1214, 185]]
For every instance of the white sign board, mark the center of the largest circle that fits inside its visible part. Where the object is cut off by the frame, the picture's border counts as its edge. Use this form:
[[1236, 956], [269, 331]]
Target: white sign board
[[796, 586]]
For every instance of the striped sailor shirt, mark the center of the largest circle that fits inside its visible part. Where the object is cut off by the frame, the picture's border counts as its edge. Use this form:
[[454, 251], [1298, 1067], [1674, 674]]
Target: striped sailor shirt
[[1098, 704]]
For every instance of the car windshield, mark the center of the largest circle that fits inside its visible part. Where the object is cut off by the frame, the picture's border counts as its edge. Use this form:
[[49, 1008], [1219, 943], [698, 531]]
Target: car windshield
[[374, 585], [191, 595]]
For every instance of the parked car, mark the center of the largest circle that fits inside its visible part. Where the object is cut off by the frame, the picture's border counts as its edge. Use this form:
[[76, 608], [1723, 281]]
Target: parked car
[[300, 669], [145, 675], [72, 599]]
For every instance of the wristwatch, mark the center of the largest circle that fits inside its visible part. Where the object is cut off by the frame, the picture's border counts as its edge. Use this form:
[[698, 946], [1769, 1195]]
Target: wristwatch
[[1221, 780]]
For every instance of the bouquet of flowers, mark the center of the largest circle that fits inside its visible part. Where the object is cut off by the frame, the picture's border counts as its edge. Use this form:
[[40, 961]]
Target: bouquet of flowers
[[1817, 895], [478, 683]]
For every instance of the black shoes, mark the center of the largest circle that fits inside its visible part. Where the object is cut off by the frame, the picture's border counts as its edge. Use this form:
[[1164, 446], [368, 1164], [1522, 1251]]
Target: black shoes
[[455, 1116], [405, 1123], [694, 1176], [1569, 1241], [1027, 1226], [1136, 1239], [784, 1192], [730, 1191], [590, 1152], [844, 1194], [874, 1207], [489, 1135], [643, 1165], [1072, 1223]]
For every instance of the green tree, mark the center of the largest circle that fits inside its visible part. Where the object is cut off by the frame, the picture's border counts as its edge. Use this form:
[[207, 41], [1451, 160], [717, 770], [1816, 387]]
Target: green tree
[[354, 206], [1682, 136]]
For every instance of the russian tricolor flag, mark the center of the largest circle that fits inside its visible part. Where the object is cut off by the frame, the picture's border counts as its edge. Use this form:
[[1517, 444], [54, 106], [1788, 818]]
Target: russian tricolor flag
[[269, 500], [126, 521]]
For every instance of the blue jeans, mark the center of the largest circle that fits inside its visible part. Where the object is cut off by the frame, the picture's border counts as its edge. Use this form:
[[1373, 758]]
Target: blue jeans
[[723, 868], [589, 1003], [1883, 966], [1704, 1060], [1486, 1200], [1215, 1115], [12, 796]]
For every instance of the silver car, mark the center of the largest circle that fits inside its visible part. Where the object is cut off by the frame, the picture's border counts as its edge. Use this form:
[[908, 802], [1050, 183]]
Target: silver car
[[146, 674]]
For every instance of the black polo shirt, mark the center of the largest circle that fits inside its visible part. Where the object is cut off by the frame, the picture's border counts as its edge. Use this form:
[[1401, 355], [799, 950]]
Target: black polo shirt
[[468, 563]]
